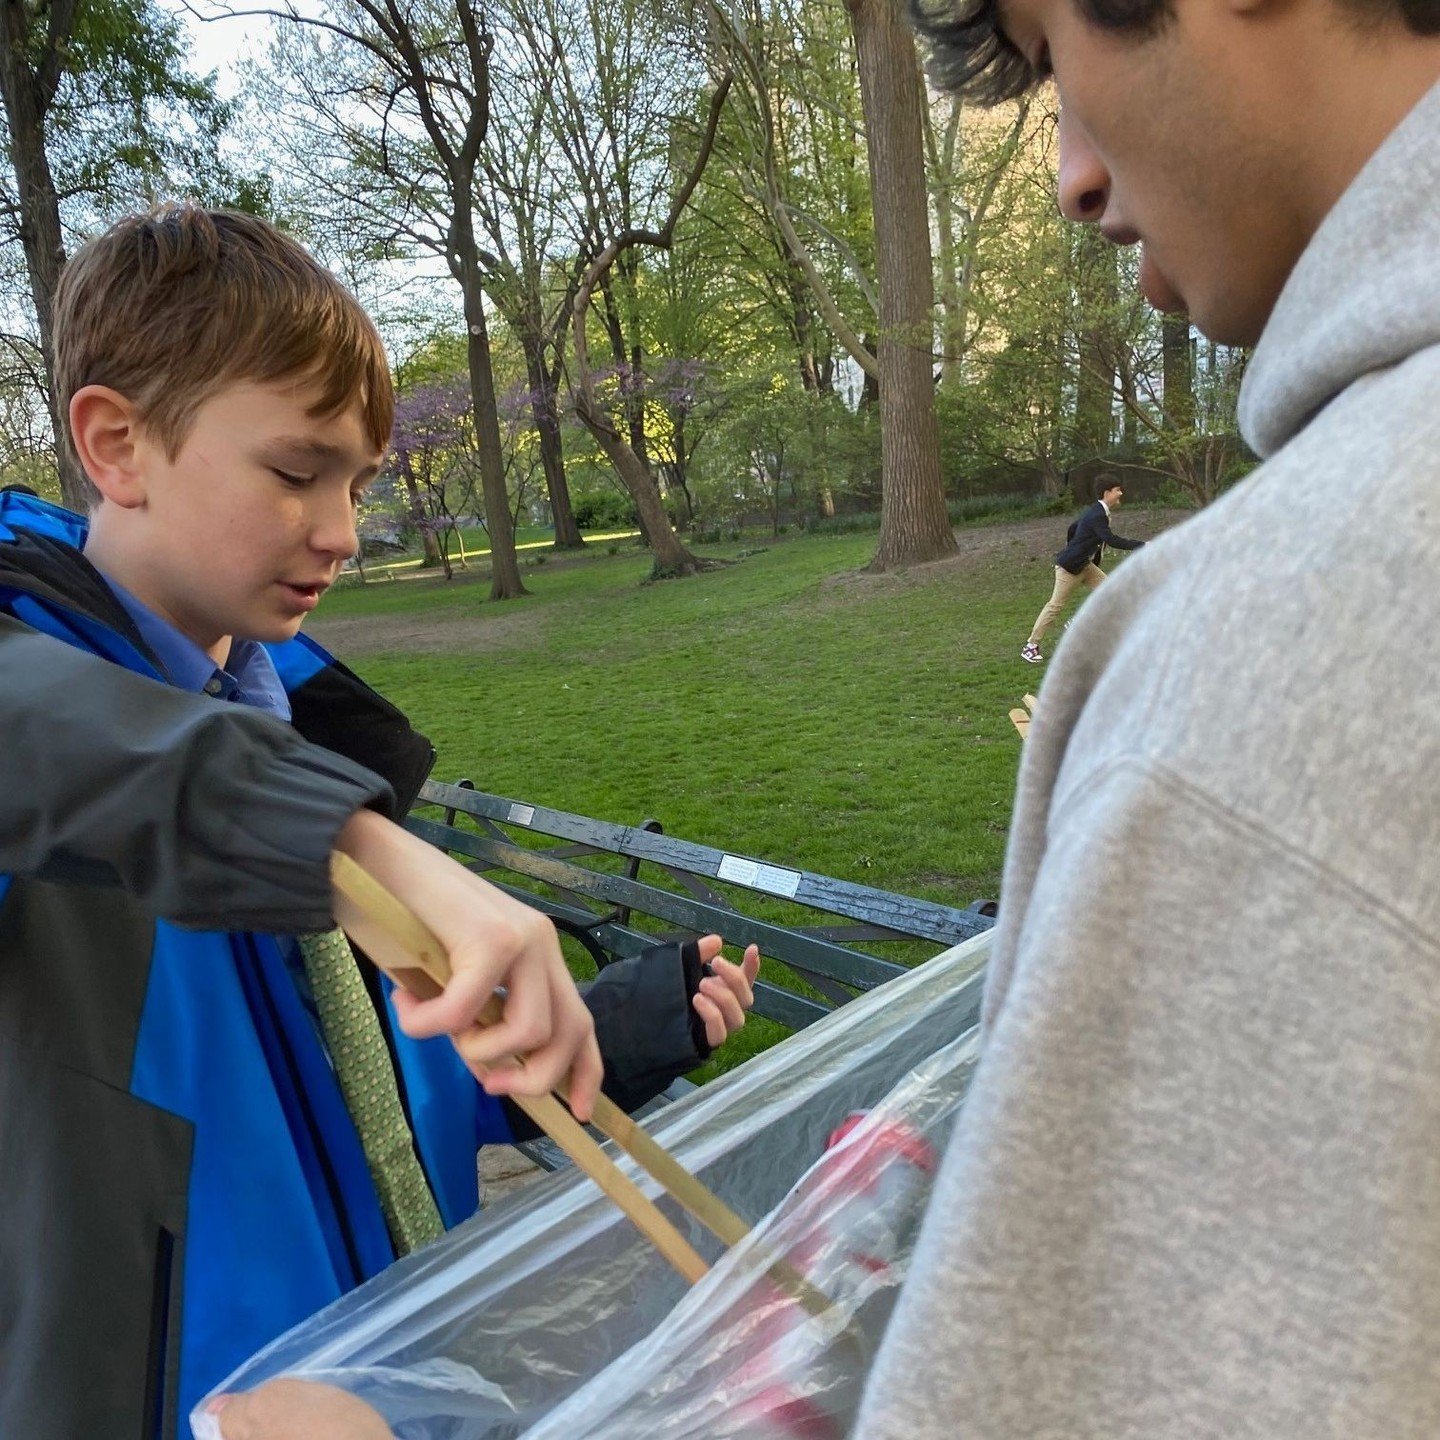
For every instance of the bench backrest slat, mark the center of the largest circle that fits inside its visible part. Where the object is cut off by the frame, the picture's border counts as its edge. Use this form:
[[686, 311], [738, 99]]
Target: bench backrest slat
[[822, 957], [925, 919], [596, 903]]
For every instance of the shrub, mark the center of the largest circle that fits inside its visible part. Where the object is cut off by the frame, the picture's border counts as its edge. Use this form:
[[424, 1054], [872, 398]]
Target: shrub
[[1010, 507], [604, 510]]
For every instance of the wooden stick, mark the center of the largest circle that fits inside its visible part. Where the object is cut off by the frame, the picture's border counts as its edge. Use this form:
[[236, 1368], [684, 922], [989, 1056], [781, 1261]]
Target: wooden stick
[[691, 1193], [360, 887], [406, 928], [370, 896], [569, 1134]]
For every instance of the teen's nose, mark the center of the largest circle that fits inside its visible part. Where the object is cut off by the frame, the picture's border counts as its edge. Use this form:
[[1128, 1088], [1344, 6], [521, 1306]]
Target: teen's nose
[[1084, 184], [332, 528]]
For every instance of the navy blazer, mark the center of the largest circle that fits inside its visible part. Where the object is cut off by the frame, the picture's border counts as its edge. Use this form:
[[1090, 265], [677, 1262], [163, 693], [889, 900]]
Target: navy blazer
[[1087, 537]]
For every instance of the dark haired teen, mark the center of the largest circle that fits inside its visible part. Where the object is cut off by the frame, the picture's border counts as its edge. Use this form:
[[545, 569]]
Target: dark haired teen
[[1195, 1187]]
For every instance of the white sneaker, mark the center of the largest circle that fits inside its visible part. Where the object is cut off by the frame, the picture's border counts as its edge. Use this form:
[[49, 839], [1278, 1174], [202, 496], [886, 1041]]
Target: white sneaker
[[1032, 655]]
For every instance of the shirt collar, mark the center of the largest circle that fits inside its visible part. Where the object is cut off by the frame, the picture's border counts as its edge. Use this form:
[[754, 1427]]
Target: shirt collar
[[248, 676], [1105, 507]]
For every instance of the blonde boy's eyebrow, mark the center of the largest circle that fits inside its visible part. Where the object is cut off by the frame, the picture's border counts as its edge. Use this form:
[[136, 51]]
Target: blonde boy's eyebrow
[[307, 450]]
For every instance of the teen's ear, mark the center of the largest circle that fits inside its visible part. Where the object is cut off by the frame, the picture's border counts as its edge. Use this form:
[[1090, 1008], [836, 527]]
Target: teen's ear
[[107, 434]]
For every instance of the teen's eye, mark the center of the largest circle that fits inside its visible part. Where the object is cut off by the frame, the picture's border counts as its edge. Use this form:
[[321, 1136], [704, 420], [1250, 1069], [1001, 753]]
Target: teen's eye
[[299, 482]]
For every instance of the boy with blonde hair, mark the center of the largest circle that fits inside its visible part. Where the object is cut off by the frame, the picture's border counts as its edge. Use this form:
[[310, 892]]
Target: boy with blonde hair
[[187, 1171]]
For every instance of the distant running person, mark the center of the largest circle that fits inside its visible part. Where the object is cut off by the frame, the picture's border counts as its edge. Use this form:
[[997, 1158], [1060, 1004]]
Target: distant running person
[[1079, 562]]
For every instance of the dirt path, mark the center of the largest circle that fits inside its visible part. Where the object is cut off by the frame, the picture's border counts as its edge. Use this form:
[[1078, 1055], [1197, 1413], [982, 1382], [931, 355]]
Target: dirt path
[[454, 631]]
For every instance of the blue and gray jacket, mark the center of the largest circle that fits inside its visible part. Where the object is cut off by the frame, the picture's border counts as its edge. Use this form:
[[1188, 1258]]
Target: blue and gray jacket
[[179, 1179]]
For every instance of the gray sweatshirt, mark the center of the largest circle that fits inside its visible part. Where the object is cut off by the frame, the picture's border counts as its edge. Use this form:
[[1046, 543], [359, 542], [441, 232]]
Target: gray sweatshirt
[[1195, 1191]]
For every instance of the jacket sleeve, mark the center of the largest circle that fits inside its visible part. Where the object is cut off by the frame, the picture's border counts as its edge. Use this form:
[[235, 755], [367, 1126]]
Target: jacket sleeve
[[647, 1028], [1114, 541], [211, 815]]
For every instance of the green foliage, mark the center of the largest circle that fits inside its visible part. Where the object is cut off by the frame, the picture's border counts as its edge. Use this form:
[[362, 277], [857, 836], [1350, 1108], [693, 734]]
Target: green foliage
[[783, 450], [128, 124], [34, 472], [603, 509], [970, 509], [131, 123]]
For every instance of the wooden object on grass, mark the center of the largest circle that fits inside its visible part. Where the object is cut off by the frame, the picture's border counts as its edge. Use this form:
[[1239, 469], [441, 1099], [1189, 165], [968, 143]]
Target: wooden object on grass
[[1021, 718]]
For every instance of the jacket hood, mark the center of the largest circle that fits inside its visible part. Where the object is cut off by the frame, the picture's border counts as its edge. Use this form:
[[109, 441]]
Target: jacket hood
[[1364, 295], [331, 706], [40, 556]]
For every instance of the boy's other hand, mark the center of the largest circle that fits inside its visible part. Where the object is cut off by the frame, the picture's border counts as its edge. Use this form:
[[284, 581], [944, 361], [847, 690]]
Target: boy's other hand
[[297, 1410], [727, 992], [492, 941]]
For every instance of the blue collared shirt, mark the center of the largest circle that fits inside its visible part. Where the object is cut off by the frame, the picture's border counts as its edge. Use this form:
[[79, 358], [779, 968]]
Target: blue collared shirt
[[248, 676]]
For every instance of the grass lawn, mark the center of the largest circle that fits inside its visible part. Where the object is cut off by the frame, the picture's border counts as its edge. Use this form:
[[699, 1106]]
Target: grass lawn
[[786, 706]]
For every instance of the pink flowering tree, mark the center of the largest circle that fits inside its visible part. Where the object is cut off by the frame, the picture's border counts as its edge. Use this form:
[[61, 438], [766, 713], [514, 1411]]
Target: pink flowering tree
[[433, 454]]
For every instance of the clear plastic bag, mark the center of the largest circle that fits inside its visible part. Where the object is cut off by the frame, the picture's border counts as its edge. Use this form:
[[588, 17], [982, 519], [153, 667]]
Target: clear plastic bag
[[513, 1324]]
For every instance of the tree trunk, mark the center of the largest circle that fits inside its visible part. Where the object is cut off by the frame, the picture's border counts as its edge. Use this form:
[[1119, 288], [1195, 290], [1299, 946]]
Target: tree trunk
[[629, 369], [1178, 397], [1054, 442], [1096, 280], [679, 473], [671, 556], [552, 453], [952, 311], [635, 405], [417, 511], [914, 525], [505, 583], [27, 97], [802, 324], [1129, 403], [870, 385]]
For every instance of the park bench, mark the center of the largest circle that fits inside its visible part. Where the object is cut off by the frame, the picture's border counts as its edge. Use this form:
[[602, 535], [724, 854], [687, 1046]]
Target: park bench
[[618, 888]]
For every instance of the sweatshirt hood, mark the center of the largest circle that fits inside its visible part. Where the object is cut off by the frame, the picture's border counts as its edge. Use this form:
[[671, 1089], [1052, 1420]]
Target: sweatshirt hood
[[1364, 295]]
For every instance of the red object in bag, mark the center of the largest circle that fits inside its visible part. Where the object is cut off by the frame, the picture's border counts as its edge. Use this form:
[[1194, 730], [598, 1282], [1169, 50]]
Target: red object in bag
[[869, 1190]]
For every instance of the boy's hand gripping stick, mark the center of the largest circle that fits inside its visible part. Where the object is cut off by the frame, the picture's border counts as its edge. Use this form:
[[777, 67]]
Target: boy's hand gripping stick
[[429, 976]]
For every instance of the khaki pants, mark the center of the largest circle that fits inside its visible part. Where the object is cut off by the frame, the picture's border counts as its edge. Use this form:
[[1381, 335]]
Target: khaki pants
[[1065, 584]]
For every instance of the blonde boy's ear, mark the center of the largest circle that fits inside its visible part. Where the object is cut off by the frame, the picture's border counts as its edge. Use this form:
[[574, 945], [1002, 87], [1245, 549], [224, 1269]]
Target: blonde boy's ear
[[107, 435]]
